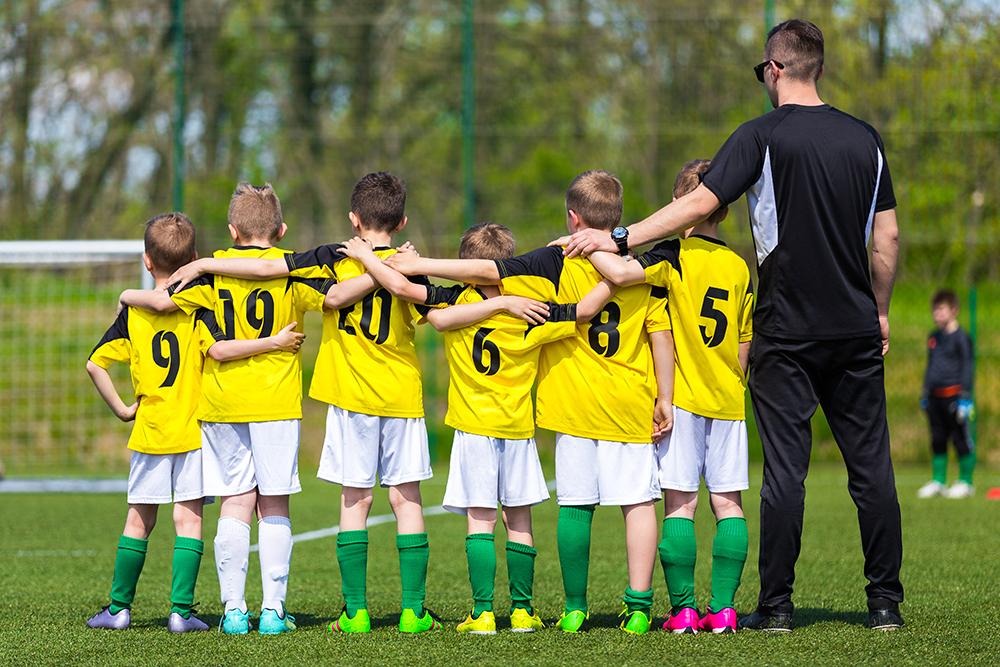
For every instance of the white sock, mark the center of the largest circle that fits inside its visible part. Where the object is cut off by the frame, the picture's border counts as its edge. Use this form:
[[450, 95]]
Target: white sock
[[232, 555], [275, 535]]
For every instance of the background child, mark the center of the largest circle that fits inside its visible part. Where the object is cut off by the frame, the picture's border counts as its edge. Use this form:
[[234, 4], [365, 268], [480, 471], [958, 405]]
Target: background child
[[165, 355], [947, 398]]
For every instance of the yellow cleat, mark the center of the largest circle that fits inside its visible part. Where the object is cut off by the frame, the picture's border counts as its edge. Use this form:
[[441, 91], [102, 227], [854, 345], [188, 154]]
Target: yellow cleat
[[486, 624], [522, 621]]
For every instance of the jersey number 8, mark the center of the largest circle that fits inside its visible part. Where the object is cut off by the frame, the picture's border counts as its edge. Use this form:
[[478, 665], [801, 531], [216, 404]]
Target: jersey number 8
[[606, 322]]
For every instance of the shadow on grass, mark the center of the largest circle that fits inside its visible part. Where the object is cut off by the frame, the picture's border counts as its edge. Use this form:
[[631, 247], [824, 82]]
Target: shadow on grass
[[806, 616]]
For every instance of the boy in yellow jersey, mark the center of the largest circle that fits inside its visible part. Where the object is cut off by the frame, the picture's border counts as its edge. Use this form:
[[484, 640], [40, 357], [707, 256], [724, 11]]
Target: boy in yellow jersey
[[165, 354], [250, 409], [597, 390], [711, 304]]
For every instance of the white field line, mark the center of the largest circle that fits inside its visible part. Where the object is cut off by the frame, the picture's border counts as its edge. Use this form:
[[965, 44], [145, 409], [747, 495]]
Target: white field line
[[63, 485]]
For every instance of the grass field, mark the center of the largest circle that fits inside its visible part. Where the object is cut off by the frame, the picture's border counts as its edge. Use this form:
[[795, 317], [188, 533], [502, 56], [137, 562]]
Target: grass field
[[59, 550]]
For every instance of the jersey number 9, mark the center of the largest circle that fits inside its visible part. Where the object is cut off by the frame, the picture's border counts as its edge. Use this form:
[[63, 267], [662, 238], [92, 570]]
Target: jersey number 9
[[171, 360]]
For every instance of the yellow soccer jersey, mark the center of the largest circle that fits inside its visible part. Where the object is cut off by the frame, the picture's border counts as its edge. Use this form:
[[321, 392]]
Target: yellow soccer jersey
[[164, 353], [264, 387], [492, 365], [367, 360], [711, 306], [599, 384]]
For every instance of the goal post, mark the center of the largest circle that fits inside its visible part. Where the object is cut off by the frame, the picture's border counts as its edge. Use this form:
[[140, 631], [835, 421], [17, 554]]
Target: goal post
[[56, 300]]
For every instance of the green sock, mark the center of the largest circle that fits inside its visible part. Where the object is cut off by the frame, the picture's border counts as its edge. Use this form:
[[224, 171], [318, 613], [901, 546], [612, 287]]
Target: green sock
[[352, 554], [939, 468], [966, 465], [638, 600], [729, 554], [482, 558], [187, 560], [414, 551], [678, 553], [521, 575], [573, 537], [129, 559]]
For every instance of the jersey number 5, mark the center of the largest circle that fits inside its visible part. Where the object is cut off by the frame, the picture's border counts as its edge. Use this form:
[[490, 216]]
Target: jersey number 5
[[606, 322], [480, 346], [709, 311], [171, 360]]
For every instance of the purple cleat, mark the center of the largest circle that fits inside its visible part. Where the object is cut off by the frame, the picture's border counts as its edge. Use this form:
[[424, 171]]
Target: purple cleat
[[177, 623], [722, 622], [684, 622], [106, 620]]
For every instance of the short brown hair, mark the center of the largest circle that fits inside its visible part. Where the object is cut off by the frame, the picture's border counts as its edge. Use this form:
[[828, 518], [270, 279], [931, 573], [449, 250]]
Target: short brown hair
[[596, 196], [487, 240], [169, 241], [945, 296], [379, 201], [798, 45], [255, 211], [689, 178]]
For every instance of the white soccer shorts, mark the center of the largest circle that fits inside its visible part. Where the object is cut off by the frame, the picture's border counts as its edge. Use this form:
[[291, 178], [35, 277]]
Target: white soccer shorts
[[602, 472], [239, 456], [159, 479], [697, 447], [486, 470], [360, 448]]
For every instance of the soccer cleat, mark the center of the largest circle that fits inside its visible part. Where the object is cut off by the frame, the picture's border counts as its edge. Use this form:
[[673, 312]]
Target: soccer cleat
[[105, 620], [636, 622], [931, 489], [485, 624], [722, 622], [766, 622], [272, 624], [361, 623], [684, 622], [572, 621], [235, 622], [884, 619], [522, 621], [959, 489], [178, 624], [411, 624]]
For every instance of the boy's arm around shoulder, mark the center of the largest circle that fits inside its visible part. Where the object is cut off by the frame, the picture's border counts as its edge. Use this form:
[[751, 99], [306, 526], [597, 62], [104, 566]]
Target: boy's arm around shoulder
[[287, 340], [475, 271], [594, 301], [390, 279], [234, 267], [466, 314], [157, 301], [619, 271]]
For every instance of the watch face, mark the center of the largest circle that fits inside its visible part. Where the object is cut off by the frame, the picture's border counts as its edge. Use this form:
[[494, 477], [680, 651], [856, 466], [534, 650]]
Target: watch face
[[619, 233]]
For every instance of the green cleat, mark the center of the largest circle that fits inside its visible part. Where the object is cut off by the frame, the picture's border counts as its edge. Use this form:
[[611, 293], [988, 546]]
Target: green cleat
[[572, 621], [636, 622], [411, 624], [361, 623]]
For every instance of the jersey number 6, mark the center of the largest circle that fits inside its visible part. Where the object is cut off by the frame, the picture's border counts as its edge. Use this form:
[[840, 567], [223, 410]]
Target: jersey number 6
[[708, 311], [481, 345], [171, 360]]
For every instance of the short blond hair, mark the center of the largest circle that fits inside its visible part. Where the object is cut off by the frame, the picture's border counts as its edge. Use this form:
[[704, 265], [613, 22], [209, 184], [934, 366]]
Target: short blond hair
[[255, 211], [169, 241], [596, 196], [689, 178], [487, 240]]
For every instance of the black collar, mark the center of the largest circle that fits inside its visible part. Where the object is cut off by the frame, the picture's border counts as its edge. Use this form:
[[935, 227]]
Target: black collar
[[710, 239], [249, 247]]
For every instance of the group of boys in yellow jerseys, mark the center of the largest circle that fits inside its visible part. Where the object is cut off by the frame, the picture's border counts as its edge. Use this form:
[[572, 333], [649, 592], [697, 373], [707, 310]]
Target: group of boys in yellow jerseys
[[640, 367]]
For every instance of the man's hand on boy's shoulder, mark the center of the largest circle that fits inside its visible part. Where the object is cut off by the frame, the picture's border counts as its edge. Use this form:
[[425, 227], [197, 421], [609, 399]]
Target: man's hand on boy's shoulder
[[182, 276]]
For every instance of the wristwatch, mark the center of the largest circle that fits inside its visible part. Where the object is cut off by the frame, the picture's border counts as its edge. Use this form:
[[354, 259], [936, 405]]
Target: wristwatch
[[620, 236]]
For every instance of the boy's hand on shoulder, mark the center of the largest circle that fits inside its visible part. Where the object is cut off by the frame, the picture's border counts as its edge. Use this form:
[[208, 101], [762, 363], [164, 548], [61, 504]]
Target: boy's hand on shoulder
[[529, 310], [289, 339], [185, 274], [404, 261], [663, 418], [128, 414], [408, 247], [560, 242], [357, 248]]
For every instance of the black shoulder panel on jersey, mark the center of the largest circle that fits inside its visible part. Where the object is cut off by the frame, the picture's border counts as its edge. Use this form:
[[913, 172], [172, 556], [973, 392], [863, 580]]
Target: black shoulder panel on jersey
[[321, 285], [544, 262], [207, 279], [665, 251], [562, 312], [324, 255], [658, 292], [207, 317], [437, 294], [118, 329]]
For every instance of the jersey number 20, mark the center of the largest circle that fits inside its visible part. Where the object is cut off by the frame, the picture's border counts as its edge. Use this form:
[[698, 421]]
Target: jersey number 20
[[171, 360], [367, 312]]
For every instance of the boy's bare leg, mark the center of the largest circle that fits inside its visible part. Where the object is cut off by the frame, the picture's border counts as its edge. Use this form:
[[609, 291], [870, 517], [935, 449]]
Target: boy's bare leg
[[482, 520], [640, 544], [140, 521], [188, 517], [517, 521], [275, 537], [520, 554], [726, 505], [411, 541], [355, 504], [407, 505], [232, 548]]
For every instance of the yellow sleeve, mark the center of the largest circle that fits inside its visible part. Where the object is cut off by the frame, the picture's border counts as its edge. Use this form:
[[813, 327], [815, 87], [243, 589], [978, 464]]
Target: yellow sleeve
[[660, 261], [746, 315], [534, 275], [115, 345], [561, 324], [657, 313], [199, 293], [309, 293]]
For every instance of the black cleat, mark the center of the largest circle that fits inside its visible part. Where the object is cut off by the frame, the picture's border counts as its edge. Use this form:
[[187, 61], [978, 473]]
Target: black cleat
[[884, 619], [766, 621]]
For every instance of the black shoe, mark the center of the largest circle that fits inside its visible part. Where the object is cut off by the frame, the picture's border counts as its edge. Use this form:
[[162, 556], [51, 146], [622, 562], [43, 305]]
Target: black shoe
[[884, 619], [766, 621]]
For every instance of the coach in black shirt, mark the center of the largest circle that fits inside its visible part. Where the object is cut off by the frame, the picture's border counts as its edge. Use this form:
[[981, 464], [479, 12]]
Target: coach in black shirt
[[818, 190]]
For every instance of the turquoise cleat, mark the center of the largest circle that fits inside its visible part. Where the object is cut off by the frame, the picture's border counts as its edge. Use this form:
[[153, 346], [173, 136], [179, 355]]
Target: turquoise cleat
[[272, 624], [235, 622]]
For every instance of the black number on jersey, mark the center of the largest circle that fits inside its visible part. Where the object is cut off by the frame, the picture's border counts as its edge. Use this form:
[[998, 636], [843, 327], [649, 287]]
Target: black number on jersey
[[708, 311], [481, 345], [172, 360], [265, 323], [228, 315], [606, 322], [367, 311]]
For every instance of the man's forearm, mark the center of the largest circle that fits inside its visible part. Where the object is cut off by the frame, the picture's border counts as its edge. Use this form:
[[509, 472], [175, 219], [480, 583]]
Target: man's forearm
[[674, 218], [885, 254]]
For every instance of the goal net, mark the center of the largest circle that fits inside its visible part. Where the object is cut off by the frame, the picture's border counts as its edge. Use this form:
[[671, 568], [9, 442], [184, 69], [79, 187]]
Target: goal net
[[56, 300]]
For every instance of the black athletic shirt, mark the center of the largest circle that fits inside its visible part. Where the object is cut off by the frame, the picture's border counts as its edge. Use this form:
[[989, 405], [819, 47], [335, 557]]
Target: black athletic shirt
[[949, 361], [814, 178]]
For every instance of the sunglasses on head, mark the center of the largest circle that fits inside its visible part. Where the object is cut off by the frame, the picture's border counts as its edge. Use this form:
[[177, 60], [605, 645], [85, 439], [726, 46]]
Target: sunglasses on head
[[759, 69]]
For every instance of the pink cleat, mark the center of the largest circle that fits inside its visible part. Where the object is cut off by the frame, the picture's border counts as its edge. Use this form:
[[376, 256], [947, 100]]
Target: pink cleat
[[684, 622], [720, 623]]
